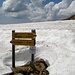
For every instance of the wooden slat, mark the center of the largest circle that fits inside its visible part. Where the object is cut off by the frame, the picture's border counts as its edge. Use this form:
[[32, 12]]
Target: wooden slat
[[23, 42], [23, 35]]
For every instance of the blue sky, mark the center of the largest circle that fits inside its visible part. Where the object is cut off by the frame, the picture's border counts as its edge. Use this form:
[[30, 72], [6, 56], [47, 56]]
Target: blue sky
[[17, 11], [1, 1], [56, 1]]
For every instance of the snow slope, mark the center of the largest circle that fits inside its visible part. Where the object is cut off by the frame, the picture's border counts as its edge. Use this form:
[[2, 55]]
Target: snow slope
[[55, 42]]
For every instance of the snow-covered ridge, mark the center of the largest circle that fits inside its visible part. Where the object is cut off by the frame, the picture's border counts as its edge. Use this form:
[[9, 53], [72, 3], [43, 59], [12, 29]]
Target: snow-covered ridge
[[68, 24], [55, 42]]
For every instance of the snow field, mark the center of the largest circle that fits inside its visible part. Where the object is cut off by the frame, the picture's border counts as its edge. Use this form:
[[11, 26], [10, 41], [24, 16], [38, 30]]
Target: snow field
[[55, 42]]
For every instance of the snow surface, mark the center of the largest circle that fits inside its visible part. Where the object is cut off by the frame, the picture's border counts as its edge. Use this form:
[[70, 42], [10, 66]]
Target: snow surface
[[55, 42]]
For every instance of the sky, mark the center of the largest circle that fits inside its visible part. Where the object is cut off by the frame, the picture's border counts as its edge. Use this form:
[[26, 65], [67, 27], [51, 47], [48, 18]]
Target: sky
[[25, 11]]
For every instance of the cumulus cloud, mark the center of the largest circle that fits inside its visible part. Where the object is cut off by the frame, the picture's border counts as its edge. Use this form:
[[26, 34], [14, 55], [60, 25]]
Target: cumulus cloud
[[34, 10], [14, 5], [70, 10]]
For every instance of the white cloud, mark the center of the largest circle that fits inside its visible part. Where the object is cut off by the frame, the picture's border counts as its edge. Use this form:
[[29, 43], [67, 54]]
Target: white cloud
[[34, 10], [37, 2], [68, 11], [63, 9], [37, 15], [14, 5]]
